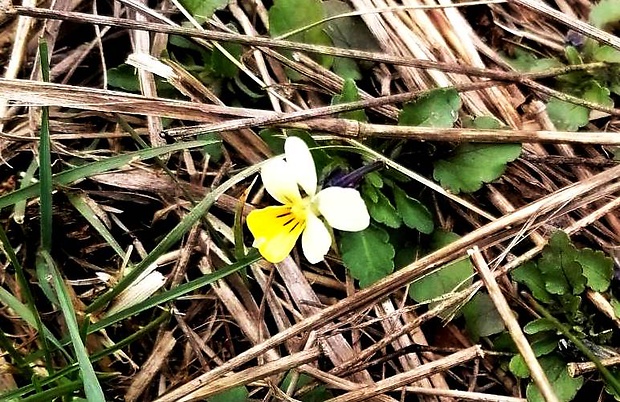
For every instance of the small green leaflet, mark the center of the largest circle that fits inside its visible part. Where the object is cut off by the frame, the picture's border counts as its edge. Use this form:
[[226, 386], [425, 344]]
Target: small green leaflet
[[203, 9], [368, 255], [529, 275], [526, 62], [597, 268], [604, 13], [560, 270], [564, 386], [567, 116], [481, 317], [288, 15], [437, 108], [448, 278], [414, 214], [382, 211], [350, 94], [474, 164]]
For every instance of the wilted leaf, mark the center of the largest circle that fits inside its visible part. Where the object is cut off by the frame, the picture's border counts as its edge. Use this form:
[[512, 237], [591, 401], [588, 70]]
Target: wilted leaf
[[448, 278], [481, 317], [474, 164], [414, 214], [368, 255], [438, 108]]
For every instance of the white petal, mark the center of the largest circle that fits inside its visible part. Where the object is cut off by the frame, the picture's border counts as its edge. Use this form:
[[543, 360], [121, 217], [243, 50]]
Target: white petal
[[300, 161], [280, 181], [316, 240], [343, 208]]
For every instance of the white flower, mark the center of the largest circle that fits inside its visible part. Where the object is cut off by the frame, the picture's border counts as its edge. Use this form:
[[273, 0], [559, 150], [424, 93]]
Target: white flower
[[277, 228]]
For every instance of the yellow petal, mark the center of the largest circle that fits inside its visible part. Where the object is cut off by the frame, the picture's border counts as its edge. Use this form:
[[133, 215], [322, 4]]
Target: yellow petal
[[275, 231]]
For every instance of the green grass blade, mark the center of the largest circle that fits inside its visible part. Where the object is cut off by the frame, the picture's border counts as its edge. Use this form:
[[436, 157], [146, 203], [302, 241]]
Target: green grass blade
[[28, 313], [92, 388], [173, 237], [50, 394], [80, 203], [45, 160], [69, 176]]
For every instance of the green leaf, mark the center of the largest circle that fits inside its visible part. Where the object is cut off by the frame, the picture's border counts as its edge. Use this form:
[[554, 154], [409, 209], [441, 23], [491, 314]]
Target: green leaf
[[203, 9], [375, 179], [474, 164], [237, 394], [604, 13], [572, 55], [518, 367], [350, 94], [597, 268], [607, 54], [368, 255], [538, 325], [288, 15], [414, 214], [214, 148], [348, 32], [346, 68], [481, 317], [596, 93], [124, 77], [567, 116], [529, 275], [448, 278], [382, 211], [317, 394], [526, 62], [559, 267], [437, 108], [482, 123], [221, 65], [564, 386]]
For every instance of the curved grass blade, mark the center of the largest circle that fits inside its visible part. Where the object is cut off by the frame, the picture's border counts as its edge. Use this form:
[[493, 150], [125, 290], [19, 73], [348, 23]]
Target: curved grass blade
[[92, 388]]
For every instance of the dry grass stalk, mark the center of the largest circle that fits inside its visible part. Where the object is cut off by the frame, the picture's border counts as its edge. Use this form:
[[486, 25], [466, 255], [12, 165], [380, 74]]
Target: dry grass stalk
[[517, 335], [150, 368], [406, 378]]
